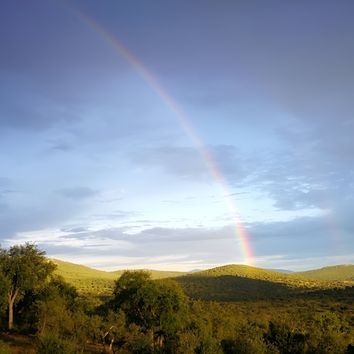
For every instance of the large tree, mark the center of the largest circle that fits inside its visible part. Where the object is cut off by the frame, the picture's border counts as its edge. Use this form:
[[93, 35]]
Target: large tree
[[156, 306], [22, 268]]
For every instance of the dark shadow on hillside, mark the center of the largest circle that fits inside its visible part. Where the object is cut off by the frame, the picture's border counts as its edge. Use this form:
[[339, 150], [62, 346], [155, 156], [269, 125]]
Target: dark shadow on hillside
[[232, 288], [228, 288], [340, 294]]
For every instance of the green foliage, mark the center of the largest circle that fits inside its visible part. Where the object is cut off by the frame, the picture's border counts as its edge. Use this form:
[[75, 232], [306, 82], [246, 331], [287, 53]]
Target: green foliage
[[125, 294], [163, 305], [249, 338], [244, 345], [50, 343], [23, 268], [266, 312], [4, 288], [158, 307], [285, 340]]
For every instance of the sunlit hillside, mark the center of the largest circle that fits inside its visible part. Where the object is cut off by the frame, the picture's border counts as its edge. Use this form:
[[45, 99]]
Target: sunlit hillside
[[240, 282], [339, 272], [225, 283], [89, 280], [244, 271]]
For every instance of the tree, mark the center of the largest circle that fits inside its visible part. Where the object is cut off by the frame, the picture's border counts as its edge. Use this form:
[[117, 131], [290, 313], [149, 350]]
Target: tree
[[23, 268], [157, 307], [125, 292]]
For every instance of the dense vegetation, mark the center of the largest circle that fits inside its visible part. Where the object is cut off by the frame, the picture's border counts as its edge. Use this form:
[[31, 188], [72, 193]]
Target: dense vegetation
[[142, 315]]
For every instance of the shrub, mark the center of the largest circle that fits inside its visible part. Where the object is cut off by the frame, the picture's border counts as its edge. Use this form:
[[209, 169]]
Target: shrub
[[52, 344]]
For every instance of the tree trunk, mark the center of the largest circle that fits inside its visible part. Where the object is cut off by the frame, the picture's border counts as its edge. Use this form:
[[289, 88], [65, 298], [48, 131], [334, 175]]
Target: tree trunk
[[11, 299], [11, 313], [43, 324]]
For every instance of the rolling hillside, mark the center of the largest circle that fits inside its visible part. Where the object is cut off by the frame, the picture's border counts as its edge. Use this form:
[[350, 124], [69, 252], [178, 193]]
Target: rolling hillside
[[89, 280], [240, 282], [245, 272], [343, 272], [225, 283]]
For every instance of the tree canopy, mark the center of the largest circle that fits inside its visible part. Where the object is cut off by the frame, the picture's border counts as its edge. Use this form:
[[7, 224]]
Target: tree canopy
[[23, 268], [156, 306]]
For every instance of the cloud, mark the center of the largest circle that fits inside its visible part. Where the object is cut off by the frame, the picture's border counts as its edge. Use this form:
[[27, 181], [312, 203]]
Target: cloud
[[78, 193], [190, 164], [115, 215], [183, 162], [43, 211], [188, 243], [61, 146], [160, 234], [153, 235], [75, 230], [284, 244], [27, 106], [271, 97], [304, 236], [27, 218]]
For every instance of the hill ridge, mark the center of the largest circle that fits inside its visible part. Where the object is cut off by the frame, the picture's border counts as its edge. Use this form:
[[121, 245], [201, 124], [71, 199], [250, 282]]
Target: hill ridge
[[91, 280]]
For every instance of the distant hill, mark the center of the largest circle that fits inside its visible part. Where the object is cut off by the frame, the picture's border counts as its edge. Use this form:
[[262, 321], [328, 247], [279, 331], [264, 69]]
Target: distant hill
[[240, 282], [243, 271], [234, 282], [89, 280], [226, 283], [343, 272]]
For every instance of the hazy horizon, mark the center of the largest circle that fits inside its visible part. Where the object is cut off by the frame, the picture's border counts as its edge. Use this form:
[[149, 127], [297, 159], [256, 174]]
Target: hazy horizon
[[178, 135]]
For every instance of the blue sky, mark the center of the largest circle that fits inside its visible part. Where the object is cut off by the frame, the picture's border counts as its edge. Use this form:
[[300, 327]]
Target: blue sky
[[96, 168]]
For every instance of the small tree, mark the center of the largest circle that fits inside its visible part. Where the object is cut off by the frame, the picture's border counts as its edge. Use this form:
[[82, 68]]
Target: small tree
[[23, 268]]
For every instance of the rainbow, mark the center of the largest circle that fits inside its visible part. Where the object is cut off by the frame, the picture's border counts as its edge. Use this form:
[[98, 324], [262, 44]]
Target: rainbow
[[186, 125]]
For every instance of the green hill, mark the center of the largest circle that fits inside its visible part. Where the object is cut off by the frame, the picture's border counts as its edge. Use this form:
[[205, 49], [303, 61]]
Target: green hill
[[89, 280], [240, 282], [226, 283], [343, 272], [243, 271]]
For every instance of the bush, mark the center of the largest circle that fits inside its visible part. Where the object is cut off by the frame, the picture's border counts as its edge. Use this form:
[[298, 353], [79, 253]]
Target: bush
[[52, 344]]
